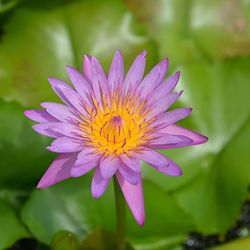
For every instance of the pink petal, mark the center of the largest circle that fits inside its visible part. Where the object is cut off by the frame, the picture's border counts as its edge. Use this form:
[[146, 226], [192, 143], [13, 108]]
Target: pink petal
[[130, 175], [61, 112], [108, 166], [165, 88], [87, 66], [131, 162], [153, 78], [134, 197], [135, 72], [59, 170], [68, 95], [163, 104], [78, 171], [165, 141], [99, 80], [66, 145], [159, 162], [80, 83], [88, 154], [171, 117], [116, 71], [41, 116], [57, 129], [99, 184], [177, 130]]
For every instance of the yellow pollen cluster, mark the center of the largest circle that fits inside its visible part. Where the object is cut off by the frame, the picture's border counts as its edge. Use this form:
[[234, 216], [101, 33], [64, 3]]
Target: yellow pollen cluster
[[116, 128]]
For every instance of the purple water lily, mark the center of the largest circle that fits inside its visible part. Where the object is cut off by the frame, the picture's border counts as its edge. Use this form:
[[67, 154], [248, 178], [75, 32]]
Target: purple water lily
[[111, 123]]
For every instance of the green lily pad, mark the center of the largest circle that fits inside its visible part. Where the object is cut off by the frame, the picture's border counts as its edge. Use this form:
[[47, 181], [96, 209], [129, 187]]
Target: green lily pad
[[11, 228], [69, 206], [216, 174], [38, 43], [23, 153]]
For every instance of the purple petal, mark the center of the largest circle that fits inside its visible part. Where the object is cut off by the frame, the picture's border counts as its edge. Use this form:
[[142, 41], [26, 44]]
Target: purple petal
[[163, 104], [66, 145], [87, 155], [153, 78], [87, 66], [116, 71], [61, 112], [131, 162], [78, 171], [177, 130], [171, 117], [68, 95], [134, 197], [99, 184], [59, 170], [109, 165], [159, 162], [136, 72], [41, 116], [165, 88], [80, 83], [57, 129], [165, 141], [99, 80], [130, 175]]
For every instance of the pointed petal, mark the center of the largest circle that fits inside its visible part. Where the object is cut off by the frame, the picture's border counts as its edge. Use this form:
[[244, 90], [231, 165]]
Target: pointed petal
[[171, 82], [87, 66], [66, 145], [177, 130], [68, 95], [59, 170], [108, 166], [131, 162], [61, 112], [153, 78], [99, 184], [135, 72], [165, 141], [165, 88], [159, 162], [134, 197], [163, 104], [171, 117], [57, 129], [41, 116], [81, 84], [99, 80], [116, 71], [130, 175]]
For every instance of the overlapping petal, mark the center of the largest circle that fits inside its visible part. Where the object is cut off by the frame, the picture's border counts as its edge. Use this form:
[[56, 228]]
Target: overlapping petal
[[58, 171]]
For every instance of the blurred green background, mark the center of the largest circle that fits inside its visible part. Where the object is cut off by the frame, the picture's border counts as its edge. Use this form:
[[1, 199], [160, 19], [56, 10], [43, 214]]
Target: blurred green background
[[208, 40]]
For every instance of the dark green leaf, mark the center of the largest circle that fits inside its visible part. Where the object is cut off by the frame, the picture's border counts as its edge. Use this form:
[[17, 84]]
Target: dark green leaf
[[11, 228], [23, 154]]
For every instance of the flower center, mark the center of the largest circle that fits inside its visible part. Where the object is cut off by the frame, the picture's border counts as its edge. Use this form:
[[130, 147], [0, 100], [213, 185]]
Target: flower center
[[117, 128]]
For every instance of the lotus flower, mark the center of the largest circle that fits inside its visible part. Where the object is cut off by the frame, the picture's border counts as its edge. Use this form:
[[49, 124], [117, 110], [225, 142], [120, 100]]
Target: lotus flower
[[111, 123]]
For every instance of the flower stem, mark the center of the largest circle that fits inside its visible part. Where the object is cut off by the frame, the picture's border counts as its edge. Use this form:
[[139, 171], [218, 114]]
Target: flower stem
[[120, 217]]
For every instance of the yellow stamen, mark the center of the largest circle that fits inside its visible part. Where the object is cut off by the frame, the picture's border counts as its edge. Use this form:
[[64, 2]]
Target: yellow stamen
[[117, 127]]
